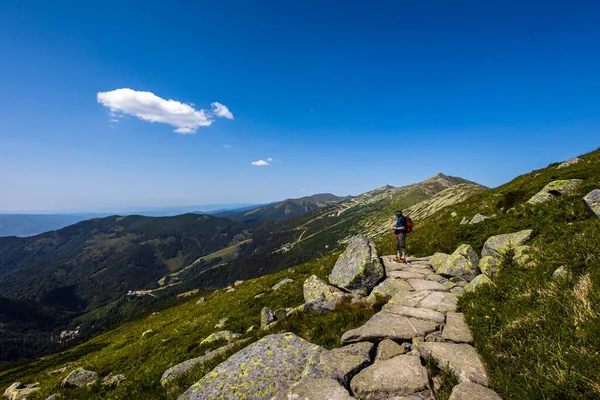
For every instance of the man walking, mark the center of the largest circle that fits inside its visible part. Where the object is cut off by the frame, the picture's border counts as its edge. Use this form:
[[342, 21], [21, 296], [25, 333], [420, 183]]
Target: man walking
[[400, 232]]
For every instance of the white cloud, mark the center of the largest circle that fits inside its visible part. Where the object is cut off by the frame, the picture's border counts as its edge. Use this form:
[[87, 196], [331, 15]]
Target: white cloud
[[113, 120], [269, 159], [221, 110], [227, 146], [260, 163], [149, 107]]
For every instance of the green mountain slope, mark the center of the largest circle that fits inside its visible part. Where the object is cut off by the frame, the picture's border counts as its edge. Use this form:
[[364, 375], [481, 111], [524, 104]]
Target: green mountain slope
[[285, 209]]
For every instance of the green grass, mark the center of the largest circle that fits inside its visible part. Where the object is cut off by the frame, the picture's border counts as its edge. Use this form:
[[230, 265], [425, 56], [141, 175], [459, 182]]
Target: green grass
[[179, 331]]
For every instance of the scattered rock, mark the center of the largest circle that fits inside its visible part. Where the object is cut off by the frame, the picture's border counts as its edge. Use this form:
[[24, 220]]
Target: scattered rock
[[438, 260], [400, 376], [57, 371], [250, 329], [472, 391], [464, 221], [113, 380], [462, 359], [266, 317], [222, 335], [479, 280], [183, 368], [478, 218], [281, 313], [79, 378], [454, 214], [315, 288], [359, 268], [230, 290], [388, 349], [258, 296], [384, 325], [256, 372], [489, 265], [188, 294], [55, 396], [237, 283], [148, 333], [569, 162], [495, 246], [20, 391], [317, 389], [555, 189], [281, 283], [341, 363], [592, 202], [456, 329], [560, 271], [200, 300], [463, 262], [317, 306], [221, 323]]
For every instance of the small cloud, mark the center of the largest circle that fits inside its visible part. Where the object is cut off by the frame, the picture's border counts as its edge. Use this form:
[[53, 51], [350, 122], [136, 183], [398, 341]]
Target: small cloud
[[269, 159], [303, 190], [259, 163], [227, 146], [149, 107], [113, 120]]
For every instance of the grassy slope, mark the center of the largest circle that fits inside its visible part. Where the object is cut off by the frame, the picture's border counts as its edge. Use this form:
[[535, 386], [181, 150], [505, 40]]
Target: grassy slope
[[538, 335], [179, 331]]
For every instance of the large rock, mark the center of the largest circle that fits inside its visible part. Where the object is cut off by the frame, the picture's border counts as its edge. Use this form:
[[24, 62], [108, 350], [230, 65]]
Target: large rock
[[569, 162], [316, 389], [497, 245], [555, 189], [462, 359], [384, 325], [438, 260], [359, 268], [221, 335], [183, 368], [592, 202], [463, 262], [315, 288], [79, 378], [390, 287], [489, 265], [259, 371], [388, 349], [20, 391], [473, 391], [456, 329], [437, 301], [400, 376], [479, 280], [266, 317], [341, 363]]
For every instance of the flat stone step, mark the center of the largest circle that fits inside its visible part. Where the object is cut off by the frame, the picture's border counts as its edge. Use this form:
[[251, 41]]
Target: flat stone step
[[406, 275], [411, 312], [422, 284], [384, 325], [456, 329], [471, 391], [438, 301], [461, 358], [400, 376]]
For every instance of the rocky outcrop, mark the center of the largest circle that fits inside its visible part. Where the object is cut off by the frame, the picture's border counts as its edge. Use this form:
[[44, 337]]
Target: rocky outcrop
[[400, 376], [20, 391], [266, 317], [497, 245], [257, 371], [488, 265], [592, 202], [359, 268], [472, 391], [79, 378], [438, 260], [281, 283], [555, 189], [569, 162], [342, 363], [477, 281], [113, 380], [463, 262], [478, 218], [315, 288], [316, 389], [221, 335]]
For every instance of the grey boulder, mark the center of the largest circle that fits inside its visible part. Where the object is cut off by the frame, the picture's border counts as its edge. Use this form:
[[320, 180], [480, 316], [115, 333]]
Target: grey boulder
[[316, 389], [79, 378], [359, 268], [555, 189], [497, 245], [592, 202], [341, 363], [463, 262], [461, 358]]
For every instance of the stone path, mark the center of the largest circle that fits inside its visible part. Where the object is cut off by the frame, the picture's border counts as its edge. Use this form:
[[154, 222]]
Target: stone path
[[419, 321]]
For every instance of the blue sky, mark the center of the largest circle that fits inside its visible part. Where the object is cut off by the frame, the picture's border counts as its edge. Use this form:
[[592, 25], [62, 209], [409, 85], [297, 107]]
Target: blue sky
[[342, 99]]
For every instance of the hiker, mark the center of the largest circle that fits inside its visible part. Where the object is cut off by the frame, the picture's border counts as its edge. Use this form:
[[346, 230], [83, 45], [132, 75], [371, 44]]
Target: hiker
[[400, 230]]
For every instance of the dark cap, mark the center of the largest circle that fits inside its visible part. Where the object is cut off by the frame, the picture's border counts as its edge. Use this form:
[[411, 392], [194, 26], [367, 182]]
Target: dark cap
[[398, 212]]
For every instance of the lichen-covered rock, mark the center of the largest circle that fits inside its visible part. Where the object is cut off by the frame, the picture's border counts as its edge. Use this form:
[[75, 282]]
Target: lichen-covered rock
[[221, 323], [315, 288], [497, 245], [20, 391], [473, 391], [281, 283], [260, 371], [317, 306], [266, 317], [281, 313], [222, 335], [359, 268], [554, 189], [79, 378], [400, 376], [438, 260], [522, 255], [113, 380], [478, 218], [592, 202], [569, 162], [462, 359], [477, 281], [183, 368], [316, 389], [456, 329], [463, 262], [560, 271], [389, 287], [489, 265], [341, 363], [388, 349]]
